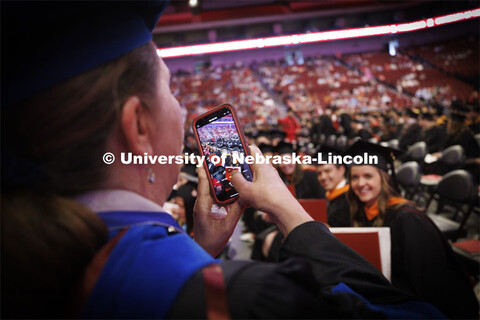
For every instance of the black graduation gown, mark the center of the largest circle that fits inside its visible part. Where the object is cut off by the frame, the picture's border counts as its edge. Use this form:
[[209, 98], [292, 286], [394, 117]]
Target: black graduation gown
[[412, 135], [338, 211], [424, 264], [435, 138], [309, 187], [313, 262], [467, 140]]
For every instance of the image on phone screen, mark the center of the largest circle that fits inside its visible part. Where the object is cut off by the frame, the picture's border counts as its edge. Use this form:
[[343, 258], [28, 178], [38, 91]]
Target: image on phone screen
[[219, 137]]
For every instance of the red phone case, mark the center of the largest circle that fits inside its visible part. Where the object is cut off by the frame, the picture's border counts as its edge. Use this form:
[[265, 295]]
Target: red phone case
[[243, 140]]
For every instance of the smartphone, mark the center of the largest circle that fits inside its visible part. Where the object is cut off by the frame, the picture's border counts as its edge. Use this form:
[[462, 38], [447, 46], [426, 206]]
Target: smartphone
[[222, 142]]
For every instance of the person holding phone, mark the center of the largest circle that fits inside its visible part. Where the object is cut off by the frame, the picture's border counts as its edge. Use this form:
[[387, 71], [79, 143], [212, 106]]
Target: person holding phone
[[87, 236], [423, 263]]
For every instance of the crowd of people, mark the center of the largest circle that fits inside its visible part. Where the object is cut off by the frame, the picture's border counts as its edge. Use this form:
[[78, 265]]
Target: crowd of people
[[82, 237]]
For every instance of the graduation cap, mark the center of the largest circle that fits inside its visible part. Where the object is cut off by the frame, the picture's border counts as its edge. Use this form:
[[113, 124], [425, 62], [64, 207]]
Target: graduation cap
[[45, 43], [427, 116], [413, 113], [284, 147], [455, 116], [325, 150], [266, 148], [328, 149], [277, 134], [458, 107], [263, 133], [385, 156]]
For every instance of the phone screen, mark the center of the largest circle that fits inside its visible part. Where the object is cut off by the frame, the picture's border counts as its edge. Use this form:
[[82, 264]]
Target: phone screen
[[223, 150]]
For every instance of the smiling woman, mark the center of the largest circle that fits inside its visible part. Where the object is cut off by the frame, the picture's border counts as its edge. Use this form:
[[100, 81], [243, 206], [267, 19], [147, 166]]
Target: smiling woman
[[422, 261]]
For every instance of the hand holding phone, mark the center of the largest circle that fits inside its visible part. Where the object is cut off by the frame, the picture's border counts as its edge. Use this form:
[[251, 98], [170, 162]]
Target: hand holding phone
[[267, 193], [222, 142]]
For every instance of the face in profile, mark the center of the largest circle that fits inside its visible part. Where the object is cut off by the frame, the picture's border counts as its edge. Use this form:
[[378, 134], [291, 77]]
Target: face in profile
[[366, 183], [329, 176], [167, 123]]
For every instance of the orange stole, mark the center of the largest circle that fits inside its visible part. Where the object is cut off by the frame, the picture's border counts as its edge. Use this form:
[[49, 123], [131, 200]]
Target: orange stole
[[337, 192], [372, 211]]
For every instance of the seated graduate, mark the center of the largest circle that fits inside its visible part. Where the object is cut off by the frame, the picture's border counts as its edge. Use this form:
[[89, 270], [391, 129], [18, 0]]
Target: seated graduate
[[184, 196], [306, 186], [305, 182], [423, 262], [332, 178], [83, 238]]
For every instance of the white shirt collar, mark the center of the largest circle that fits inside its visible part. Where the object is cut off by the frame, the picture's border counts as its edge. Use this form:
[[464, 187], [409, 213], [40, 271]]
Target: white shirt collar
[[341, 184], [117, 200]]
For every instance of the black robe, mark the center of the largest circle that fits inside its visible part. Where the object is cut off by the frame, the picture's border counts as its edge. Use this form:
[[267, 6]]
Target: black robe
[[309, 187], [313, 262], [435, 138], [423, 263], [338, 211], [412, 135], [467, 140]]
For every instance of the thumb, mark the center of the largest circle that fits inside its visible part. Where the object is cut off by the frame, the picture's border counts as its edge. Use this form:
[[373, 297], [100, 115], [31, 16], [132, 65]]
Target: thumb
[[239, 182]]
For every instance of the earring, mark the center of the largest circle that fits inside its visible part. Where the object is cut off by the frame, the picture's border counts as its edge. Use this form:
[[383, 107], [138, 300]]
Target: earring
[[151, 176]]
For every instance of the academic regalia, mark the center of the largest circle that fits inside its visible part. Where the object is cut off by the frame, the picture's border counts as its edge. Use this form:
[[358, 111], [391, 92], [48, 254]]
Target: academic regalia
[[467, 141], [435, 138], [322, 126], [309, 187], [313, 281], [156, 271], [411, 136], [338, 210], [253, 221], [475, 127], [424, 264]]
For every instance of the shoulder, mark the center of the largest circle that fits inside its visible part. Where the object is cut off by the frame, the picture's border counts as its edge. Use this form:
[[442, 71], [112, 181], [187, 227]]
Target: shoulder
[[407, 219], [145, 261], [406, 213]]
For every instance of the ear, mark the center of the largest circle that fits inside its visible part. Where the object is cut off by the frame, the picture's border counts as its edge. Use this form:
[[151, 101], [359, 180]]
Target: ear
[[134, 125]]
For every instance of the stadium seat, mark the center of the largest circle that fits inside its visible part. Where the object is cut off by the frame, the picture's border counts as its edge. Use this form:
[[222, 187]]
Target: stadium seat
[[455, 189], [408, 177]]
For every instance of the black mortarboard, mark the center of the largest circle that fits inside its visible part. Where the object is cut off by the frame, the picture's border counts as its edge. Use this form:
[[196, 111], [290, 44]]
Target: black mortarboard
[[284, 147], [324, 149], [263, 133], [47, 42], [413, 113], [266, 148], [277, 134], [458, 117], [385, 155], [458, 107], [427, 116], [189, 172]]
